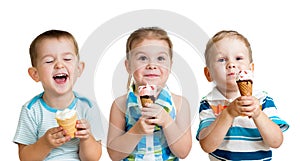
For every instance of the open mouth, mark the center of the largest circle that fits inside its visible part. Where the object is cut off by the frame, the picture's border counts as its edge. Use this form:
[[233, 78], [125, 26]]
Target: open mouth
[[60, 78]]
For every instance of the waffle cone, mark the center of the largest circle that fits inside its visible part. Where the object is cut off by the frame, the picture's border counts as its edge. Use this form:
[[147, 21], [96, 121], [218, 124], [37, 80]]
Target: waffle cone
[[245, 87], [144, 101], [69, 125]]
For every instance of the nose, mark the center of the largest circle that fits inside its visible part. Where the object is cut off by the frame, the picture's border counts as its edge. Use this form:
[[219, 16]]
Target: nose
[[59, 65], [230, 65], [151, 66]]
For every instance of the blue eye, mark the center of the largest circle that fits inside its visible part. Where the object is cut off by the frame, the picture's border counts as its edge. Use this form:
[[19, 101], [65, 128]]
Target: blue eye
[[143, 58], [161, 58], [221, 60]]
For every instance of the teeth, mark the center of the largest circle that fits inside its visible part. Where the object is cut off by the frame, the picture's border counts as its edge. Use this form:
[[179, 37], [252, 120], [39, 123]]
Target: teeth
[[61, 75], [58, 76]]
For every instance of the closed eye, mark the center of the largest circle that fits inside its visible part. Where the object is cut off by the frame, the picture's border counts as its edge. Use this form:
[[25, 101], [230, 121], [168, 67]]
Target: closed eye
[[49, 60]]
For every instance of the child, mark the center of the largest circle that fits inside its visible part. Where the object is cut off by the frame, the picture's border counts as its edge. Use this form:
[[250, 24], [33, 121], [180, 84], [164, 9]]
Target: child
[[157, 131], [55, 63], [235, 127]]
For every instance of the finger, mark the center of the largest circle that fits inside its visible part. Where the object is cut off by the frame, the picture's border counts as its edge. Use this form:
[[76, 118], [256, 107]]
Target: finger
[[82, 134], [63, 140], [147, 112], [82, 124], [59, 134], [149, 128], [151, 121], [154, 106], [55, 130]]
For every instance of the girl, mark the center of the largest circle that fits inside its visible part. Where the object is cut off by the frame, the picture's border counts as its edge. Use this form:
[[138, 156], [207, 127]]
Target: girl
[[158, 131]]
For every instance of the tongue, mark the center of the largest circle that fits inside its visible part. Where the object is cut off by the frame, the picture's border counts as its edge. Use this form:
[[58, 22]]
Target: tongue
[[60, 80]]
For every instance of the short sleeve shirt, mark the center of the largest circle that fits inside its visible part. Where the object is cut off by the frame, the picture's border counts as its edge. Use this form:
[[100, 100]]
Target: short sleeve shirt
[[37, 117]]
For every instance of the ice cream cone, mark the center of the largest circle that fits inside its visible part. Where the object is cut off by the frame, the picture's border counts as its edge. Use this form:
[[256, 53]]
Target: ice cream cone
[[147, 94], [68, 124], [245, 87], [244, 81], [147, 99]]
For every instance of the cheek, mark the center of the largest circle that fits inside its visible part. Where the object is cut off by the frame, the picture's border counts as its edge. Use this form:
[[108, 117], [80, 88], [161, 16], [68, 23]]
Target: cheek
[[244, 67], [218, 72], [137, 68], [137, 72]]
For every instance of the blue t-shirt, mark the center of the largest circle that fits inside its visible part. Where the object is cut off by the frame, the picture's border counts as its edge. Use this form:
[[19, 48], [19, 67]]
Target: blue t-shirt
[[37, 117]]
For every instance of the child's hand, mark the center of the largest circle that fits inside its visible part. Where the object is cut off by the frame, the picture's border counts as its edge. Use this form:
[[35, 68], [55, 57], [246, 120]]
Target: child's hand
[[83, 129], [142, 126], [251, 106], [155, 114], [55, 137], [245, 106]]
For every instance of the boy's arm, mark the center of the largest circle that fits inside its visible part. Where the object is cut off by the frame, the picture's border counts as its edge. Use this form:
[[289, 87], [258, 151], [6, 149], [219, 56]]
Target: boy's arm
[[270, 132], [212, 136], [37, 151], [90, 149], [53, 138]]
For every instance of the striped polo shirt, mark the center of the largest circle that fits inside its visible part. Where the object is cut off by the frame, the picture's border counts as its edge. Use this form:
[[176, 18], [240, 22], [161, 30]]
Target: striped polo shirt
[[243, 140]]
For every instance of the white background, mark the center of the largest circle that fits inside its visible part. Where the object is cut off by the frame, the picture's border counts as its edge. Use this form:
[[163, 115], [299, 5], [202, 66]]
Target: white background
[[271, 28]]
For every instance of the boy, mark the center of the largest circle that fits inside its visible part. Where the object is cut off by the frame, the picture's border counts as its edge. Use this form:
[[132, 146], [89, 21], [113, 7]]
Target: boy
[[235, 127], [55, 63]]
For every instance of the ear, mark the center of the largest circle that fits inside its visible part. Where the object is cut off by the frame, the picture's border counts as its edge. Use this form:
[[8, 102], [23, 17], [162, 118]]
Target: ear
[[127, 66], [207, 74], [252, 67], [33, 73], [80, 68]]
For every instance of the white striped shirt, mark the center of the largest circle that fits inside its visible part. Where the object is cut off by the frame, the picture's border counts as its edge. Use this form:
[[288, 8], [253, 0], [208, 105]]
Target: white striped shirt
[[243, 140], [37, 117]]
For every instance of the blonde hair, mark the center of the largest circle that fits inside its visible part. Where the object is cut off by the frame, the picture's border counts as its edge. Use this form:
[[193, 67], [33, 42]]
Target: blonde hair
[[227, 34], [48, 35], [146, 33]]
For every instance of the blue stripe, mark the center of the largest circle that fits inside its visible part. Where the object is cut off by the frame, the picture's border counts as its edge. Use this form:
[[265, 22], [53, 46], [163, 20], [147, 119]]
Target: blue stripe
[[84, 99], [241, 131], [203, 124], [164, 95], [281, 123], [268, 102], [204, 105], [34, 100]]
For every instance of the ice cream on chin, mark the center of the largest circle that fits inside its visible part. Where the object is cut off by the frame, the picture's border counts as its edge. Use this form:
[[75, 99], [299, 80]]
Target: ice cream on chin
[[67, 120], [147, 94], [244, 80]]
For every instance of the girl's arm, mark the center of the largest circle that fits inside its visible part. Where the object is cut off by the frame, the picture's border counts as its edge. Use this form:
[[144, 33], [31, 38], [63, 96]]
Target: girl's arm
[[178, 131], [121, 143]]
